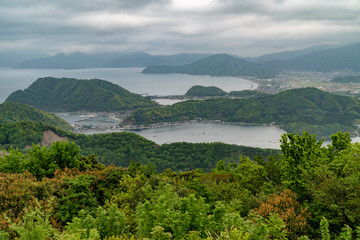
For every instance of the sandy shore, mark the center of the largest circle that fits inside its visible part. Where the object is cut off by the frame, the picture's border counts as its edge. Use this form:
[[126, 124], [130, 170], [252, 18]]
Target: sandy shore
[[253, 84]]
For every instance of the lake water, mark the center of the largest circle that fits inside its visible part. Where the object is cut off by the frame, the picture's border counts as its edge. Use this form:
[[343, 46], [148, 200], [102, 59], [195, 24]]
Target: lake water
[[153, 84]]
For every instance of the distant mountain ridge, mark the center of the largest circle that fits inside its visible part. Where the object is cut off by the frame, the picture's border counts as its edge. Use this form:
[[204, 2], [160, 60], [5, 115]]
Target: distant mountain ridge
[[69, 95], [80, 60], [216, 65], [144, 60], [347, 57], [62, 61], [287, 55]]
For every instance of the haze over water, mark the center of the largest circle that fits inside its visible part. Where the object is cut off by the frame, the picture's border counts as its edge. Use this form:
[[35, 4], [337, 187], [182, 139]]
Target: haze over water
[[129, 78]]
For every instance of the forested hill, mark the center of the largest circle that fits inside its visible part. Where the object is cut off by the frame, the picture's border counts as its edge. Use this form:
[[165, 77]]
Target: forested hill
[[17, 112], [297, 110], [121, 148], [69, 94], [216, 65], [201, 91]]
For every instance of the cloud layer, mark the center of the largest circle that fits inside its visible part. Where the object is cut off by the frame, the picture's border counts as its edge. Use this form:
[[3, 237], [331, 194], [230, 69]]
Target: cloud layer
[[243, 27]]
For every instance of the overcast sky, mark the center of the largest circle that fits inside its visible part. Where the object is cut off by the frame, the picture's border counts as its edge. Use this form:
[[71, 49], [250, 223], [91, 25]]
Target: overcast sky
[[242, 27]]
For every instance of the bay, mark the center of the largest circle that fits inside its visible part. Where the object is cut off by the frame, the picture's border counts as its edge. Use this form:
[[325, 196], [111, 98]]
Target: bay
[[252, 136], [153, 84], [129, 78]]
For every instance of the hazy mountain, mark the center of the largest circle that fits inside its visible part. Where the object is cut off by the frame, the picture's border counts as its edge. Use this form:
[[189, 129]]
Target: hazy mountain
[[70, 95], [216, 65], [14, 58], [144, 60], [347, 57], [287, 55], [62, 61]]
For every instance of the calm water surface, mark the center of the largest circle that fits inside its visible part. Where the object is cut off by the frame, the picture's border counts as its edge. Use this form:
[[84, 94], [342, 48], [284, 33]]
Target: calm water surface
[[129, 78], [153, 84], [253, 136]]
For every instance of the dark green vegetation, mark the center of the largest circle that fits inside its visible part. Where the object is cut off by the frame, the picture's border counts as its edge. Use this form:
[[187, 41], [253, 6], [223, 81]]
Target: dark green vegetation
[[347, 79], [70, 95], [347, 57], [294, 110], [201, 91], [309, 192], [120, 149], [247, 94], [17, 112], [216, 65], [22, 134]]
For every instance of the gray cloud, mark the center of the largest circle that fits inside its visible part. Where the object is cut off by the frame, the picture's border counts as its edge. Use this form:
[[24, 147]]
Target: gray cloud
[[243, 27]]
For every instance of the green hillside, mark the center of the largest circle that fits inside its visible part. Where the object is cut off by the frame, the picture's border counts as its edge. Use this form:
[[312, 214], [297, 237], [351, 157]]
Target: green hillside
[[216, 65], [295, 110], [201, 91], [248, 94], [17, 112], [69, 95], [121, 148]]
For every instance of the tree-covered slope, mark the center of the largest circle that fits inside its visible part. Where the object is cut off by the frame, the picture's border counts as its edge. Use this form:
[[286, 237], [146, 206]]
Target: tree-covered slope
[[22, 134], [216, 65], [294, 110], [121, 148], [17, 112], [201, 91], [69, 94]]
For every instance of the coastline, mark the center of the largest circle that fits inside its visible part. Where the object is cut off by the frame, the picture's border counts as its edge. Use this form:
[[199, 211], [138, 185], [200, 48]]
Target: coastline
[[254, 85], [84, 129]]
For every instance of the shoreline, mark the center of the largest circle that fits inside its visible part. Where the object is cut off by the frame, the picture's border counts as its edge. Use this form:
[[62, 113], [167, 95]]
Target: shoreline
[[85, 128]]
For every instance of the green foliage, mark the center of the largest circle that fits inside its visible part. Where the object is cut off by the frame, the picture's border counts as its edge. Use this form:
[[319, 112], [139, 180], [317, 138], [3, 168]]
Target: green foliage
[[248, 94], [300, 153], [238, 199], [35, 224], [78, 196], [70, 95], [13, 162], [25, 134], [122, 148], [18, 112], [294, 110], [44, 160], [201, 91]]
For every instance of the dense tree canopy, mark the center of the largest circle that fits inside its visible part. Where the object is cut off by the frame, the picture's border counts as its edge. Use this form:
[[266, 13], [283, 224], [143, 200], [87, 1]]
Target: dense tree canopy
[[54, 193]]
